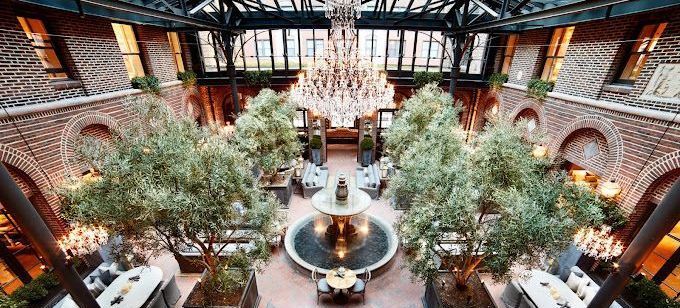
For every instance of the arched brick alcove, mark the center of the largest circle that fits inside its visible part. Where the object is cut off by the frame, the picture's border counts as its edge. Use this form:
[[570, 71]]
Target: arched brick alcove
[[596, 128], [89, 123], [529, 109], [35, 185]]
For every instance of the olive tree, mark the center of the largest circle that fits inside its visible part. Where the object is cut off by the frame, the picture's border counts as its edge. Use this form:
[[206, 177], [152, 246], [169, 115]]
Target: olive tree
[[166, 184], [265, 131], [488, 203]]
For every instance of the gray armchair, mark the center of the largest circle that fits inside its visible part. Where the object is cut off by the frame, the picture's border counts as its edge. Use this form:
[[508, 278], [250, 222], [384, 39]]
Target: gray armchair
[[369, 181], [313, 179]]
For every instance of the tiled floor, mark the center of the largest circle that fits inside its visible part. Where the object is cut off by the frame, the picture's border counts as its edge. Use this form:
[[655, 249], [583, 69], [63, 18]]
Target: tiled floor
[[281, 284]]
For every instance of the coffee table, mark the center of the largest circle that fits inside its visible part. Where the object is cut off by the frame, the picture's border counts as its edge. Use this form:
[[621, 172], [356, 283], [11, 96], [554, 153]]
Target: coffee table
[[341, 283]]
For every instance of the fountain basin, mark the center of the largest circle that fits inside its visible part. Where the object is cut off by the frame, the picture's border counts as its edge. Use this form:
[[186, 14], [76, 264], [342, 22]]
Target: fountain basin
[[308, 244]]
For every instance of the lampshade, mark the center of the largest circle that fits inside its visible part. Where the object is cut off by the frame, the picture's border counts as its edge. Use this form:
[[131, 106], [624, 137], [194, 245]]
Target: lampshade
[[610, 189], [539, 151], [579, 175], [383, 171]]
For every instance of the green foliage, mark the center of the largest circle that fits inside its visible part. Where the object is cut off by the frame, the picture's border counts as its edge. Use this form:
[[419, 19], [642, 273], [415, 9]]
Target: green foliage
[[188, 78], [48, 280], [538, 88], [315, 143], [506, 206], [167, 182], [266, 133], [613, 215], [148, 84], [496, 81], [412, 120], [366, 143], [11, 302], [650, 295], [257, 78], [420, 79], [31, 292]]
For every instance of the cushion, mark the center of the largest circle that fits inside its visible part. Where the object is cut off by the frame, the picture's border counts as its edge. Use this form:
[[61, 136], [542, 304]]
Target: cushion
[[573, 281], [589, 294], [365, 171], [374, 185], [564, 274], [322, 285], [99, 284], [317, 170], [367, 182], [577, 270], [309, 183], [582, 287], [88, 280], [359, 286], [105, 276]]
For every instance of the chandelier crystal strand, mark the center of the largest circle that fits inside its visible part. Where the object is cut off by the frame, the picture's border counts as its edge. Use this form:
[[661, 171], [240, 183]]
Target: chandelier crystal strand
[[83, 240], [598, 244], [340, 84]]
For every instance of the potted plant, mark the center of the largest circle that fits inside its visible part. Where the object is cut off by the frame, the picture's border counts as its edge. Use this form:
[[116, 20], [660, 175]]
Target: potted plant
[[315, 144], [265, 132], [538, 88], [496, 81], [491, 197], [420, 79], [188, 78], [148, 84], [257, 78], [167, 185], [366, 150]]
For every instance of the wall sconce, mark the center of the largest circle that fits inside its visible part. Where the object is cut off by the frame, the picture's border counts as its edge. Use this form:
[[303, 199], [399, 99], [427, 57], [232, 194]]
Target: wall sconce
[[579, 175], [494, 109], [610, 189], [539, 151]]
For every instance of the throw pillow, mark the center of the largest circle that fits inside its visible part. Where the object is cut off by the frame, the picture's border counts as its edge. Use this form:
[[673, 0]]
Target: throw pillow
[[589, 294], [365, 171], [105, 277], [573, 281], [564, 274], [577, 270], [309, 183], [582, 285], [367, 182]]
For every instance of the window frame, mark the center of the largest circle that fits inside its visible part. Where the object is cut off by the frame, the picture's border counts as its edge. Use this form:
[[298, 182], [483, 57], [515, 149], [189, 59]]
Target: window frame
[[630, 52], [124, 54], [263, 47], [509, 52], [556, 55], [50, 71], [177, 53]]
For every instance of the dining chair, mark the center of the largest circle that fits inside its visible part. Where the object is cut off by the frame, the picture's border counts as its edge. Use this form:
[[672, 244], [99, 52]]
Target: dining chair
[[322, 286], [526, 302], [512, 295], [360, 286]]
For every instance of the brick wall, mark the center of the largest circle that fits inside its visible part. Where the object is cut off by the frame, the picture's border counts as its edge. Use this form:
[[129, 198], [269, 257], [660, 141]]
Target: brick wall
[[90, 54], [157, 54], [528, 59], [573, 150]]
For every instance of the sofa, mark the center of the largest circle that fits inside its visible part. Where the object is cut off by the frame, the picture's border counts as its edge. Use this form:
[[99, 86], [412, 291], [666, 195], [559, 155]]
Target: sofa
[[368, 180], [313, 179], [97, 281], [581, 284]]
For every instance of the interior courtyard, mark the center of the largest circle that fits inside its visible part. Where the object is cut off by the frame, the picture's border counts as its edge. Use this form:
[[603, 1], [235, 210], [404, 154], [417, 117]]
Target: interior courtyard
[[340, 153]]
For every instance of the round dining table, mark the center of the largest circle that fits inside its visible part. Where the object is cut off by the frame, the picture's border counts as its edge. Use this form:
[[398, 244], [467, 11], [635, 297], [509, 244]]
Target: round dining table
[[341, 282]]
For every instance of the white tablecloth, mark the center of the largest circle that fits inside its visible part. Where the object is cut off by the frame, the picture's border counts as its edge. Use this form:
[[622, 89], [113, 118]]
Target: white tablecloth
[[541, 295], [149, 278]]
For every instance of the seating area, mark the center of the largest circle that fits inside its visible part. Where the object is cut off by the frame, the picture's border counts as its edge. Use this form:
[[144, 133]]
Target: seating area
[[368, 180], [314, 179]]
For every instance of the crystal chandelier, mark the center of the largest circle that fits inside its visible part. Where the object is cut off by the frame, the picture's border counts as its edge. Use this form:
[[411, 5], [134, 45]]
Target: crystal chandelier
[[83, 240], [341, 85], [598, 244]]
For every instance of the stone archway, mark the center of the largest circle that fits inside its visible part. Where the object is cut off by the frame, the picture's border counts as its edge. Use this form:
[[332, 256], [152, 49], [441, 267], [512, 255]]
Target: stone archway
[[36, 185], [92, 123], [610, 134], [192, 107]]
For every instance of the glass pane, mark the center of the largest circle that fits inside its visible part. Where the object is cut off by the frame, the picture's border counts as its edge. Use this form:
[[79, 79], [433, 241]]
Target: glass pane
[[546, 68], [133, 64], [131, 40], [627, 73], [180, 62], [554, 41], [48, 58], [666, 247], [652, 265], [644, 37], [564, 43], [555, 69], [657, 35]]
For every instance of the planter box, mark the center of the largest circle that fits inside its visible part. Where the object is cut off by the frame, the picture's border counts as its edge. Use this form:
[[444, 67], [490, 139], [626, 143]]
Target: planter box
[[249, 299], [366, 158], [283, 191], [431, 298], [316, 157]]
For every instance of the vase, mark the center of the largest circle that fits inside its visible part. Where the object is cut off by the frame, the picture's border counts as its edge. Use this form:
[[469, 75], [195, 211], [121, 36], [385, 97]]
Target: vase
[[366, 157], [341, 191], [316, 156]]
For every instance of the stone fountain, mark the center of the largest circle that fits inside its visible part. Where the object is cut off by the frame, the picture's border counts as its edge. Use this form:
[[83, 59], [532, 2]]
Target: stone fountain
[[341, 234]]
